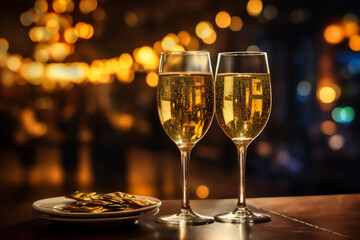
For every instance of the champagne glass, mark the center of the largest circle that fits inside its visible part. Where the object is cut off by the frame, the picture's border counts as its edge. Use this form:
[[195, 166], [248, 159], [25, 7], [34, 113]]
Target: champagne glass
[[185, 102], [243, 105]]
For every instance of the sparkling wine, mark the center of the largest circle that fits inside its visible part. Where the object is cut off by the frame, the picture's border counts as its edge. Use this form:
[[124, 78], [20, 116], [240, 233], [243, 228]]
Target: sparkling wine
[[243, 104], [186, 105]]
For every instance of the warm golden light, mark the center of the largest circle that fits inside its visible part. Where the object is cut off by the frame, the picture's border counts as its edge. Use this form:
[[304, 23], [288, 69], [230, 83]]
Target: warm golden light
[[39, 34], [112, 65], [26, 19], [125, 75], [125, 60], [223, 19], [84, 30], [202, 191], [41, 54], [59, 6], [184, 38], [351, 29], [59, 51], [4, 46], [87, 6], [253, 48], [178, 48], [40, 6], [334, 34], [60, 72], [144, 55], [152, 79], [354, 43], [168, 43], [254, 7], [203, 29], [326, 94], [236, 23], [157, 47], [32, 71], [211, 38], [13, 62], [193, 45], [131, 19], [328, 127], [70, 35], [52, 26], [99, 14]]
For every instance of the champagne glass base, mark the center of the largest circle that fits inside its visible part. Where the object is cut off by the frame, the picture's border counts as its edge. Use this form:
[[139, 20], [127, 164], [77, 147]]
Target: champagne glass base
[[185, 217], [242, 215]]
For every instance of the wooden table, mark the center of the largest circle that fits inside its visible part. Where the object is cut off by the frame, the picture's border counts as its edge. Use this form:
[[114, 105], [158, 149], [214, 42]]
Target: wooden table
[[310, 217]]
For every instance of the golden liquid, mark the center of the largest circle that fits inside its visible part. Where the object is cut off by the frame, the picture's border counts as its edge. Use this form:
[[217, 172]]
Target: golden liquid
[[186, 105], [243, 104]]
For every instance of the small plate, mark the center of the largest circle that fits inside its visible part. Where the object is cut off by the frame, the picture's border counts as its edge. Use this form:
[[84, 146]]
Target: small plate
[[51, 207], [106, 221]]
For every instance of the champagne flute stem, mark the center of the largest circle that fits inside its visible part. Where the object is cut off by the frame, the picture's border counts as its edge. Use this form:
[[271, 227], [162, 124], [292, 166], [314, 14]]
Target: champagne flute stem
[[241, 149], [185, 159]]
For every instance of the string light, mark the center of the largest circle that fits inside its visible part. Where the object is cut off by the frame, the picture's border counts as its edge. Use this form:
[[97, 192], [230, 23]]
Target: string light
[[254, 7], [334, 34], [223, 19], [52, 27]]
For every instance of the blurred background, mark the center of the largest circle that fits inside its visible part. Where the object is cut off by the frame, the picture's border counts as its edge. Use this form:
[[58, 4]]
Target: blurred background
[[78, 97]]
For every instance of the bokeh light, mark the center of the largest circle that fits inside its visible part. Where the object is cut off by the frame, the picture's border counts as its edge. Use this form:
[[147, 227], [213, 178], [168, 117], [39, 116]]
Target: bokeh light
[[353, 66], [253, 48], [299, 15], [184, 38], [236, 23], [99, 14], [13, 62], [211, 38], [59, 6], [39, 34], [152, 79], [351, 29], [131, 19], [203, 29], [193, 45], [40, 6], [168, 43], [303, 88], [254, 7], [264, 149], [4, 46], [26, 19], [222, 19], [202, 191], [84, 30], [354, 43], [144, 55], [343, 115], [87, 6], [70, 35], [336, 142], [328, 127], [125, 60], [32, 71], [326, 94], [334, 33], [270, 12]]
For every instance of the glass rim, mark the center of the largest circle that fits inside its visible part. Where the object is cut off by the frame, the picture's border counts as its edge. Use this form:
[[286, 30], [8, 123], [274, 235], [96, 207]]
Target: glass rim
[[242, 53], [185, 53]]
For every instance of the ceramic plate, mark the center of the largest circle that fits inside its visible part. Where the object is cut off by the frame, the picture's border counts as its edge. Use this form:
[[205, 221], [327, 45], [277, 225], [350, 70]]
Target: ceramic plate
[[52, 206], [103, 221]]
